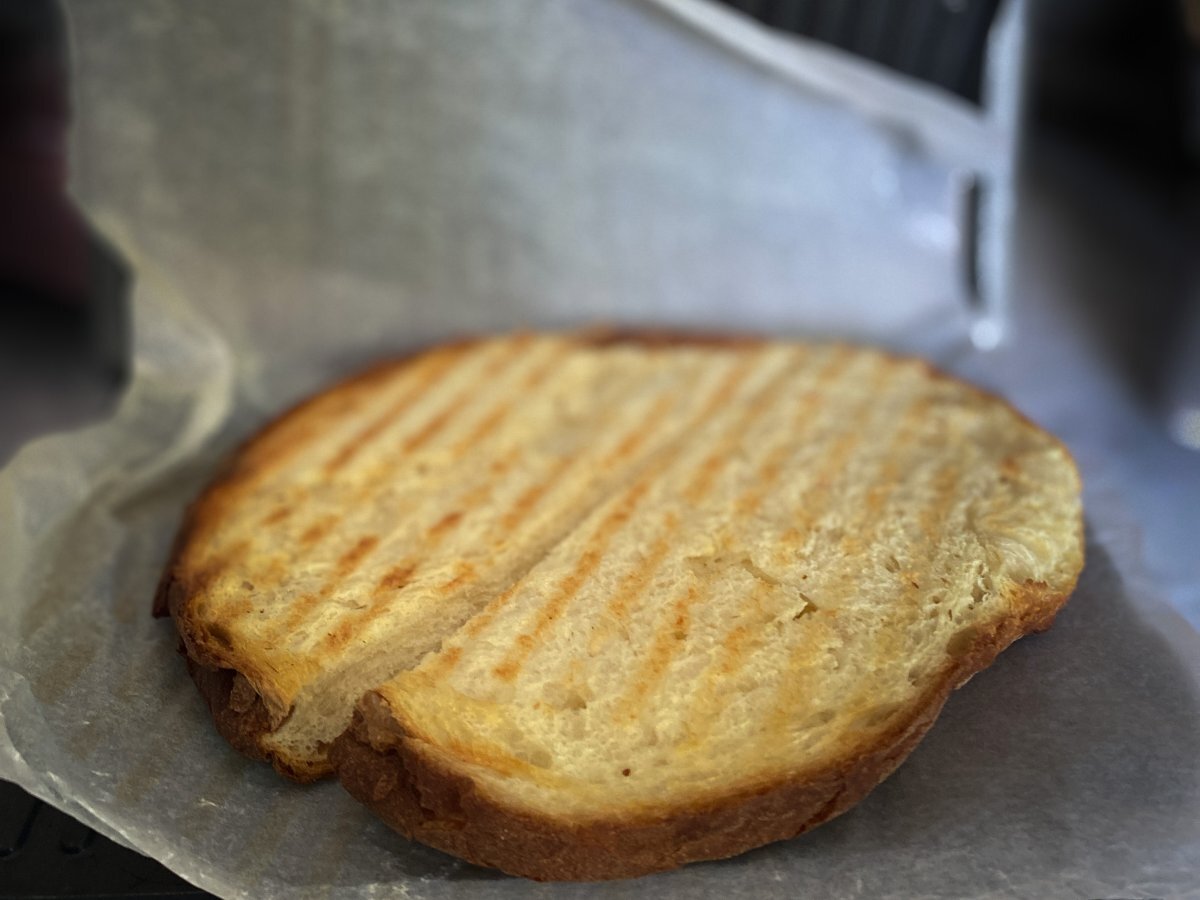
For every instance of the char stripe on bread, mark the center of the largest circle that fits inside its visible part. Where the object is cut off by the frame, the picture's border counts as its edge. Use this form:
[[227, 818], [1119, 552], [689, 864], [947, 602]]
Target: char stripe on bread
[[593, 553], [522, 506], [263, 629], [435, 367], [810, 647], [633, 585], [425, 432], [737, 642], [667, 633], [609, 605], [722, 395]]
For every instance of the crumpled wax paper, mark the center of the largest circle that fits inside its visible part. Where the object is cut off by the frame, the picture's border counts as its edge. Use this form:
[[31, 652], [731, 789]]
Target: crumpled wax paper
[[302, 187]]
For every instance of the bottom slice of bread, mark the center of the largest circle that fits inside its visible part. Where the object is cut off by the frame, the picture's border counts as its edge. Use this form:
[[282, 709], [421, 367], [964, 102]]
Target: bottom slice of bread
[[427, 797]]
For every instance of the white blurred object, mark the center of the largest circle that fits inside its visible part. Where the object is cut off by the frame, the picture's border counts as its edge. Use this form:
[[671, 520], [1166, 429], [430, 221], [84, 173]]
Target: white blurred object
[[399, 171], [977, 149]]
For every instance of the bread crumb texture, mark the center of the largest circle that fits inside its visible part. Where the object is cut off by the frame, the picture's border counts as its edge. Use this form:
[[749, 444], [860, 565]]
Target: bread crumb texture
[[605, 580]]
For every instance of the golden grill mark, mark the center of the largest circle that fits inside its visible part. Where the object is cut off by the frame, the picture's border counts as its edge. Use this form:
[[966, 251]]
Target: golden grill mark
[[526, 501], [396, 578], [347, 562], [735, 641], [473, 498], [945, 483], [317, 531], [888, 480], [591, 557], [531, 495], [633, 584], [629, 445], [446, 523], [450, 657], [440, 419], [702, 479], [434, 425], [807, 408], [218, 565], [738, 640], [492, 420], [721, 395], [478, 496], [384, 467], [666, 645], [699, 485], [569, 585], [477, 624], [657, 658], [423, 435], [282, 439], [401, 576], [298, 611], [350, 560], [434, 366], [464, 574], [305, 606], [277, 516], [519, 394]]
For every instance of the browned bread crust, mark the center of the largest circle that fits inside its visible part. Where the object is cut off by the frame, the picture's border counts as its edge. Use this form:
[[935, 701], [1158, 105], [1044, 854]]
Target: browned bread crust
[[241, 717], [414, 793], [238, 711]]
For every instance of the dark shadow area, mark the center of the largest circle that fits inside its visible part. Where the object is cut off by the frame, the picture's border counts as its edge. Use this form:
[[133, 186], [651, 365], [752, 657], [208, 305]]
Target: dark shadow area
[[941, 43], [1115, 110], [1128, 251], [64, 313], [46, 853]]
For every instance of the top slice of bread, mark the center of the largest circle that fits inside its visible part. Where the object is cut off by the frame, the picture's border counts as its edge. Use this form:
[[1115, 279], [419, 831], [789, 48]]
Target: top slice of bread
[[344, 542], [611, 606]]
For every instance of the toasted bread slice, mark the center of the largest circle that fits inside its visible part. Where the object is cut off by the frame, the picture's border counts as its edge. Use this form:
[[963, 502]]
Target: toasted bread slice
[[615, 605], [343, 543], [742, 640]]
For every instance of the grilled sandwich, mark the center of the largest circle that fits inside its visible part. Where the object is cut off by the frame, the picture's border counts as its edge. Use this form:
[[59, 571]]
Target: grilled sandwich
[[583, 607]]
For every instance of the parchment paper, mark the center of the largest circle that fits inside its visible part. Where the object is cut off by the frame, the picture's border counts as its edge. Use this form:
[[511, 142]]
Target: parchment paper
[[303, 187]]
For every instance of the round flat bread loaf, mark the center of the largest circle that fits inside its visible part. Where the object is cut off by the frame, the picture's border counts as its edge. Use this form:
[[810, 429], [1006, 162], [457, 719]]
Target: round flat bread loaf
[[586, 607]]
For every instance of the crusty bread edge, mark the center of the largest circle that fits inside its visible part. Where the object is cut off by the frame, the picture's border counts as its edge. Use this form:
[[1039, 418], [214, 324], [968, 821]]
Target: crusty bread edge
[[423, 797], [241, 716], [246, 720]]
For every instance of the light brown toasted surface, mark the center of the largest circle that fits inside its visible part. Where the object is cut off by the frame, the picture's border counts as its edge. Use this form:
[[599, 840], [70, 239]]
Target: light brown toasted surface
[[769, 598], [391, 508], [428, 798], [628, 601]]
